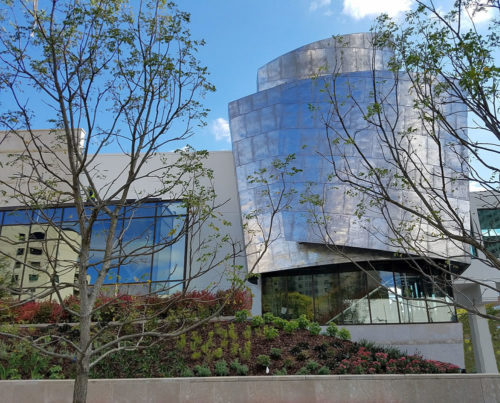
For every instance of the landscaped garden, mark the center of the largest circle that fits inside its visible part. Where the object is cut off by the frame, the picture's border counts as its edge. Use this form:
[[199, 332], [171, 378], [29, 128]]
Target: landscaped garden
[[260, 345]]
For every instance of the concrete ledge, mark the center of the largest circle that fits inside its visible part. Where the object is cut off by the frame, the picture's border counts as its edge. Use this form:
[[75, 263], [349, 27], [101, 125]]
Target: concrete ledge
[[313, 388]]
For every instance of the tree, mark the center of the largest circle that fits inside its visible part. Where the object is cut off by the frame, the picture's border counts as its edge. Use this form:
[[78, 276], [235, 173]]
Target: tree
[[410, 190], [127, 74]]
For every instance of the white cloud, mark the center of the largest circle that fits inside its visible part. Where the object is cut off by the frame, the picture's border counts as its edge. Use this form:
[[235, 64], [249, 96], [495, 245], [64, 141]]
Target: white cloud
[[317, 4], [479, 16], [220, 129], [475, 187], [362, 8]]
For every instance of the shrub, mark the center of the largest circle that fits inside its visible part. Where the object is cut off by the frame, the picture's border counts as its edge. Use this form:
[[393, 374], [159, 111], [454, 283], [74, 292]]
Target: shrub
[[263, 360], [276, 353], [235, 300], [270, 333], [240, 369], [181, 342], [186, 372], [247, 333], [246, 353], [201, 370], [303, 321], [312, 365], [241, 316], [221, 368], [196, 355], [291, 326], [288, 362], [324, 371], [268, 317], [344, 334], [314, 328], [332, 329], [279, 322], [281, 371], [218, 353], [257, 321], [234, 349], [302, 371]]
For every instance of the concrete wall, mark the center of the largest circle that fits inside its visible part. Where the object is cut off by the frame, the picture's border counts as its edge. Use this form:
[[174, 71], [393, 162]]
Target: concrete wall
[[441, 342], [345, 388]]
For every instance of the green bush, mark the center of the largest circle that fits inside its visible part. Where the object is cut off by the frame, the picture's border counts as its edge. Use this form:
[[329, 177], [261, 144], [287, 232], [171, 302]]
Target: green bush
[[247, 333], [312, 365], [240, 369], [276, 353], [186, 372], [281, 371], [344, 334], [241, 316], [202, 370], [268, 317], [332, 329], [270, 333], [221, 368], [324, 371], [263, 360], [257, 321], [302, 371], [291, 326], [246, 353], [314, 328], [280, 323], [303, 321], [218, 353]]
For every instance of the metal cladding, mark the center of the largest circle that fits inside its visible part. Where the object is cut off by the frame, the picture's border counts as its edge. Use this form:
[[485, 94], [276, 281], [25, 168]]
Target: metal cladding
[[287, 116]]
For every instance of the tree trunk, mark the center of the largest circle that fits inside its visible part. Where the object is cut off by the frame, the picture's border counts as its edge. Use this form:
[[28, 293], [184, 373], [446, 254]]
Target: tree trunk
[[83, 358], [81, 383]]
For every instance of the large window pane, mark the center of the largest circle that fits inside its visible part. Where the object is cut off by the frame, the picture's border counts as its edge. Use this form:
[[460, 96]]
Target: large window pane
[[489, 220], [439, 303], [412, 305], [137, 242], [140, 210], [354, 298], [273, 295], [328, 303], [171, 208], [17, 217], [382, 295], [168, 261], [299, 297], [51, 215], [97, 249]]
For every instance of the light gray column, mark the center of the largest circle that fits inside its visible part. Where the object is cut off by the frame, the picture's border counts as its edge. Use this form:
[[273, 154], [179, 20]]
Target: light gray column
[[484, 355]]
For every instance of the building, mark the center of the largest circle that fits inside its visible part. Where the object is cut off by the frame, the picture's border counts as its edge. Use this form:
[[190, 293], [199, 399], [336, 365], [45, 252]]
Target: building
[[370, 287]]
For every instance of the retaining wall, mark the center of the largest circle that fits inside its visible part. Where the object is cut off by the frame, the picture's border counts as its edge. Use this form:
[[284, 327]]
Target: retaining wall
[[477, 388]]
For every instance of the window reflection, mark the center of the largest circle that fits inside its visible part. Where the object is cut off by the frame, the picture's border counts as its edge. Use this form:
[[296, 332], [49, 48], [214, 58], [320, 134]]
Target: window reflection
[[347, 296], [147, 245]]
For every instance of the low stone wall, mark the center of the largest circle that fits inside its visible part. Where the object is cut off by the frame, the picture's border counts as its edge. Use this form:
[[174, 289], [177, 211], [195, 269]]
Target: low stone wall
[[454, 388]]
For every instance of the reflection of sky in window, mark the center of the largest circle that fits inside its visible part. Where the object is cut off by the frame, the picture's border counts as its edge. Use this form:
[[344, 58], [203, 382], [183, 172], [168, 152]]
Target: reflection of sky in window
[[135, 243]]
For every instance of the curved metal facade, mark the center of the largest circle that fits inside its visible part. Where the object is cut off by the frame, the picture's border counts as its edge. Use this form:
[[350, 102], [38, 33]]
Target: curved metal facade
[[278, 121]]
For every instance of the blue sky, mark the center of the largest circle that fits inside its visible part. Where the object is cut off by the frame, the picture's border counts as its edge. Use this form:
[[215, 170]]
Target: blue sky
[[243, 35]]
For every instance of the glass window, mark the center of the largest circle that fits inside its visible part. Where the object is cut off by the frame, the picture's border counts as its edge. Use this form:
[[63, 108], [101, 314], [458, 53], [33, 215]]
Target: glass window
[[171, 208], [53, 215], [354, 298], [439, 303], [328, 301], [274, 295], [17, 217], [97, 249], [411, 298], [299, 296], [382, 295], [141, 210], [137, 244], [35, 251], [33, 277], [166, 288], [20, 251], [168, 260], [489, 220]]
